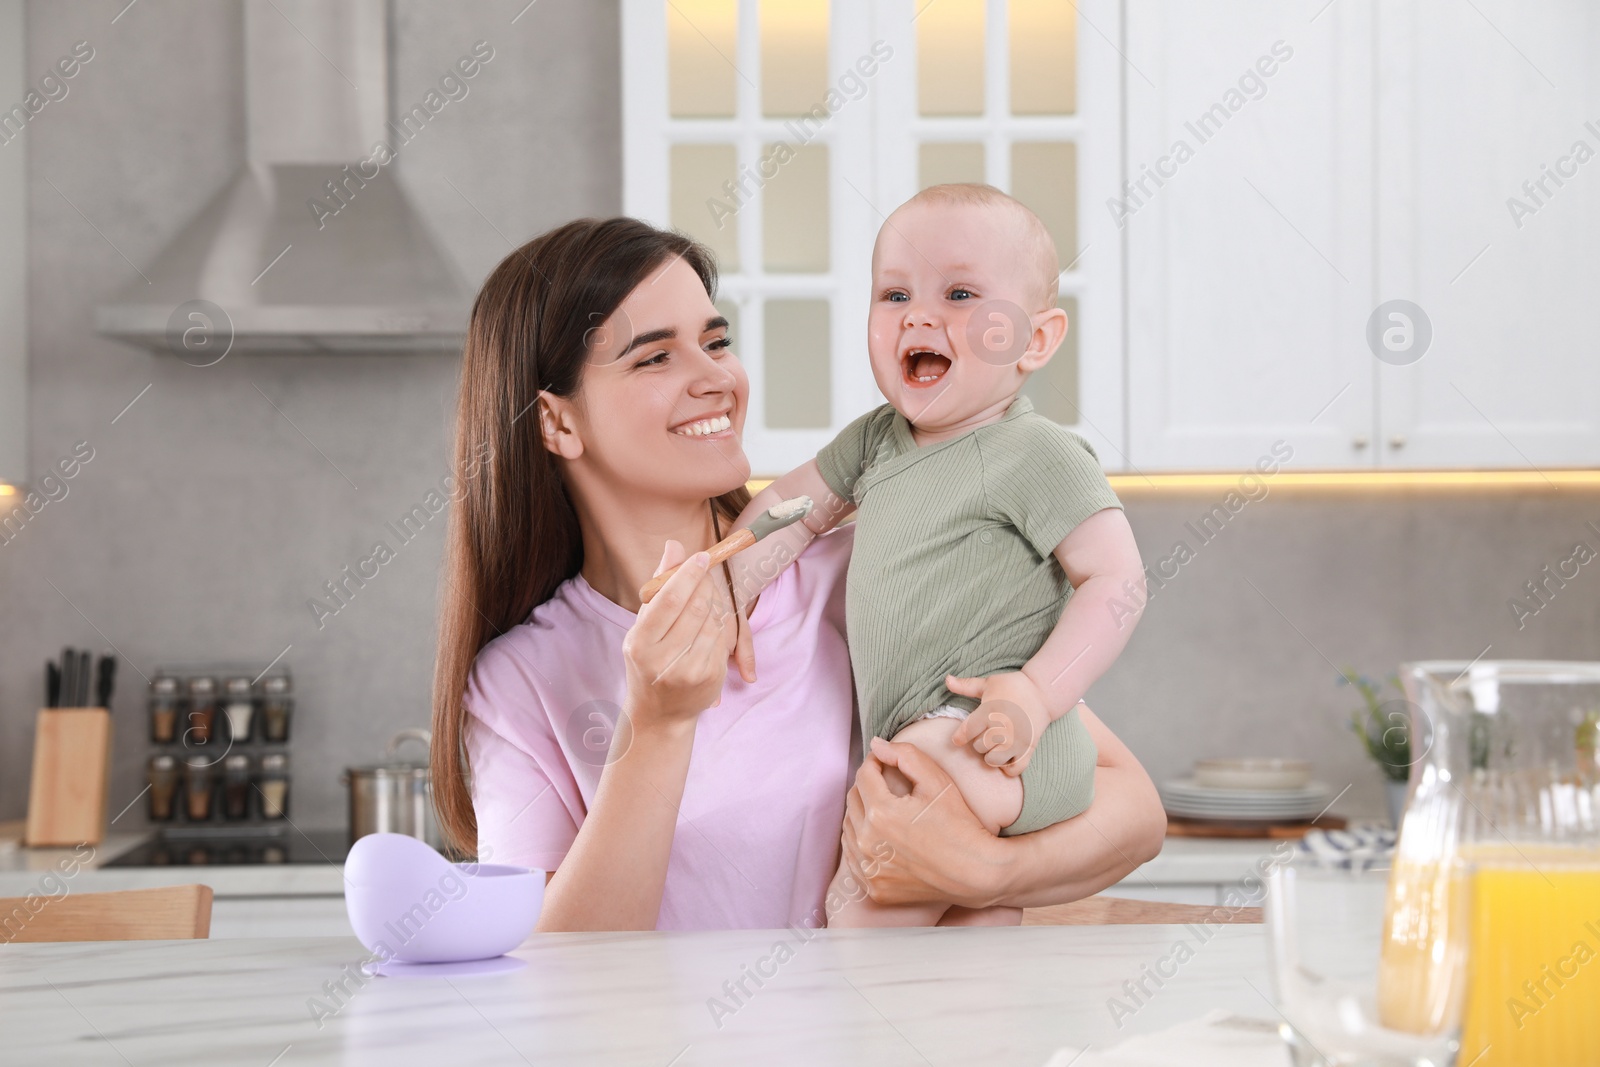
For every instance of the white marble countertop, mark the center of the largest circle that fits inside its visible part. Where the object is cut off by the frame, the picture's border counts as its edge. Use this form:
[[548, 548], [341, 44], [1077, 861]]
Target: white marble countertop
[[1183, 861], [915, 997]]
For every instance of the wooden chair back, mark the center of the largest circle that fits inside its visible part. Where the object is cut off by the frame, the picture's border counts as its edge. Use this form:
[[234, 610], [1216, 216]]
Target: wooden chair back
[[169, 913]]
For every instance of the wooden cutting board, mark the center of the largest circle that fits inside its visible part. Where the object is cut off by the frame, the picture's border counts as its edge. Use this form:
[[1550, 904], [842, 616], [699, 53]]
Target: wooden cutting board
[[71, 777], [1178, 826]]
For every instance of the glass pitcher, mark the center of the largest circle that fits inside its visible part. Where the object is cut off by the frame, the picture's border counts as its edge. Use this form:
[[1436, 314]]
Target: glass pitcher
[[1500, 840]]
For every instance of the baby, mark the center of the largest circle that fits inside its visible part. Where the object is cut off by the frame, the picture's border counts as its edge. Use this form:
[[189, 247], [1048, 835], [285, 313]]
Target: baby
[[977, 520]]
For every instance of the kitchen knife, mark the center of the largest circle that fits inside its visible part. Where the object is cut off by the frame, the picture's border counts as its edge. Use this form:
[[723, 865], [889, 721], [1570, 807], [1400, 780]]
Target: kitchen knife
[[69, 682], [85, 667], [52, 684], [105, 677]]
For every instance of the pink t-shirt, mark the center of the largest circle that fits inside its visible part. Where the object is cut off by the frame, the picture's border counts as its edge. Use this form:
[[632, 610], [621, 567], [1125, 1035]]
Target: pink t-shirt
[[757, 838]]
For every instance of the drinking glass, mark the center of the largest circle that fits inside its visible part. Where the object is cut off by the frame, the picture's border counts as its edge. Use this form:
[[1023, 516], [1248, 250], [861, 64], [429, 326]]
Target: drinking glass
[[1326, 948]]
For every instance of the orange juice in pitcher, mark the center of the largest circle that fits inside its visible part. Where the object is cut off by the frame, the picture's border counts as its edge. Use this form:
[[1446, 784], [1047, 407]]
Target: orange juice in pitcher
[[1534, 993]]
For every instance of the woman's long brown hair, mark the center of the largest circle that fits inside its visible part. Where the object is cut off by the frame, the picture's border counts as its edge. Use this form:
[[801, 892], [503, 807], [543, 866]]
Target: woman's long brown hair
[[514, 535]]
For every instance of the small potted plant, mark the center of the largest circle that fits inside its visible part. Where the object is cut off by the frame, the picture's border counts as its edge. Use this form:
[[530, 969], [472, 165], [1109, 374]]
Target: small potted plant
[[1588, 743], [1384, 728]]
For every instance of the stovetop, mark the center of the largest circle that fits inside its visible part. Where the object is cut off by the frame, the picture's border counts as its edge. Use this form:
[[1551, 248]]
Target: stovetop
[[317, 846]]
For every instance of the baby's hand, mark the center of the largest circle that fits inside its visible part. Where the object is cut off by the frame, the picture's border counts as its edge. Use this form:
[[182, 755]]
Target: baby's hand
[[1006, 725]]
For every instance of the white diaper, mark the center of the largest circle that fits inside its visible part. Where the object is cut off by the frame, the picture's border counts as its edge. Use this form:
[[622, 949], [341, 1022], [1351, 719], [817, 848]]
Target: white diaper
[[943, 711]]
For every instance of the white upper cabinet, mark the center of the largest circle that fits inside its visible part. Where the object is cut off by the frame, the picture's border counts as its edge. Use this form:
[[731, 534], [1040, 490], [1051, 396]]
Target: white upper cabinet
[[1248, 226], [1365, 230], [1489, 220], [1383, 253]]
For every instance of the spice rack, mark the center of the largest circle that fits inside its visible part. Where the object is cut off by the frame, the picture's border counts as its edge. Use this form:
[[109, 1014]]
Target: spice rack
[[219, 765]]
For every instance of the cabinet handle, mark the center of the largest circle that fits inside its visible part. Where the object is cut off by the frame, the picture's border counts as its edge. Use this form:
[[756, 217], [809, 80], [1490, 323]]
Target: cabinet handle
[[1397, 441], [1359, 441]]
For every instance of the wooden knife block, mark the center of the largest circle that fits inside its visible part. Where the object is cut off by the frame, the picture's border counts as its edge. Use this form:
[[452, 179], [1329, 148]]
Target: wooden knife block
[[71, 777]]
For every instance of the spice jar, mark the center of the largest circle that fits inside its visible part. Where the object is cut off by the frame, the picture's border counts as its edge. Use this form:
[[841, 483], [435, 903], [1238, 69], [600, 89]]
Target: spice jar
[[163, 776], [236, 787], [202, 711], [164, 701], [239, 708], [199, 783], [276, 707], [274, 786]]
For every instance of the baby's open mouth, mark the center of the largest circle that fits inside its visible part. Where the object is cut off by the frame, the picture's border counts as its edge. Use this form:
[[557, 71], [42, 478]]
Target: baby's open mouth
[[924, 366]]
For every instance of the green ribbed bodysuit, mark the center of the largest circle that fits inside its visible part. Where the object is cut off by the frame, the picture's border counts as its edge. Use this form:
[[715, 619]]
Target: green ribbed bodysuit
[[952, 573]]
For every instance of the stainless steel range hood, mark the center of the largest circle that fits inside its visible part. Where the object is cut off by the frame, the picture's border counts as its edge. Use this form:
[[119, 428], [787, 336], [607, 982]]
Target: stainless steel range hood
[[360, 273]]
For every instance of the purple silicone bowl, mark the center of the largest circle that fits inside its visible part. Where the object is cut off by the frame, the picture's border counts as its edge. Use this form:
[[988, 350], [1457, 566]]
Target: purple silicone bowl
[[407, 902]]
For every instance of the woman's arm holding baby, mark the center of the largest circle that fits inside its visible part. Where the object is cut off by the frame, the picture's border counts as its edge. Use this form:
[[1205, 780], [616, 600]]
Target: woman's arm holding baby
[[1101, 561], [937, 849]]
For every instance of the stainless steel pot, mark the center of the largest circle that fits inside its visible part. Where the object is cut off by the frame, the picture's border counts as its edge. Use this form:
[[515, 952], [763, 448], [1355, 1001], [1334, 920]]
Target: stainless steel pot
[[395, 796]]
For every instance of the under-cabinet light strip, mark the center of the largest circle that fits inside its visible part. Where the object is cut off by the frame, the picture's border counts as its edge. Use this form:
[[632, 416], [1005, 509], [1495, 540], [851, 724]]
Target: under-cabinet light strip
[[1199, 480]]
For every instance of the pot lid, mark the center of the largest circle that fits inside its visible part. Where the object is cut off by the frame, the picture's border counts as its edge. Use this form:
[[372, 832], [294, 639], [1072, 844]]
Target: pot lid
[[392, 764]]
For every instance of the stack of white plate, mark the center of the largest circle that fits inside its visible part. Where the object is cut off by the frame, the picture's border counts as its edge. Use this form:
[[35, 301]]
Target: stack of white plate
[[1253, 790]]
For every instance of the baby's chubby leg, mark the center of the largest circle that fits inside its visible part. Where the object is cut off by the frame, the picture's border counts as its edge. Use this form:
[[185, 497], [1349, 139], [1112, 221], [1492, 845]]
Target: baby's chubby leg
[[994, 797]]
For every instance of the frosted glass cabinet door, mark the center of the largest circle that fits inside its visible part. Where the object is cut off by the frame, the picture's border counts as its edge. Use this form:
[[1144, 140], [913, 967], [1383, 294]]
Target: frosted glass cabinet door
[[1248, 226], [782, 132], [1494, 168]]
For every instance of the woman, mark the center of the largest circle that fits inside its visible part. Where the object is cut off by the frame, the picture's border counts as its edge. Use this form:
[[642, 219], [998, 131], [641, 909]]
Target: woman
[[599, 419]]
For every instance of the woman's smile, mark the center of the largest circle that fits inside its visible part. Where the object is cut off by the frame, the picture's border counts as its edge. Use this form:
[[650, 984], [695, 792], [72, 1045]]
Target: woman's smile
[[713, 427]]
